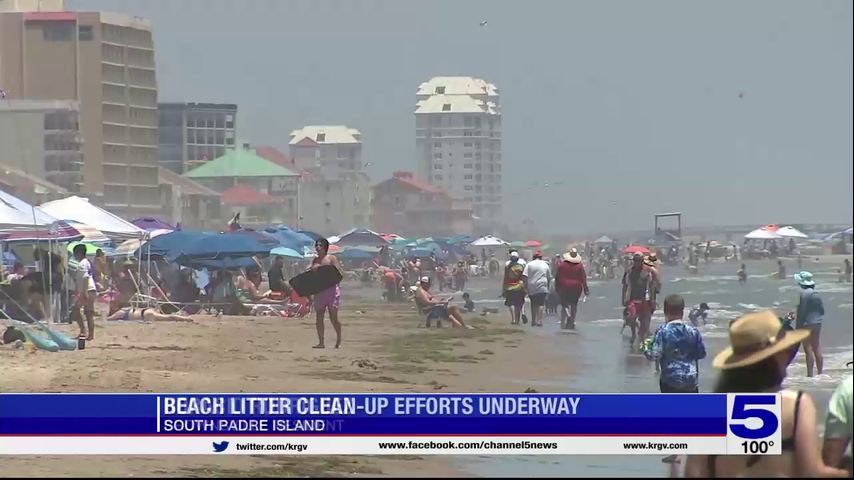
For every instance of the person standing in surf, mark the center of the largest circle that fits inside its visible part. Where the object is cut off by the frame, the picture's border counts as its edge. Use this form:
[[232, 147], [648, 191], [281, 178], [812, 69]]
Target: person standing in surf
[[810, 315], [638, 298], [513, 286], [329, 299]]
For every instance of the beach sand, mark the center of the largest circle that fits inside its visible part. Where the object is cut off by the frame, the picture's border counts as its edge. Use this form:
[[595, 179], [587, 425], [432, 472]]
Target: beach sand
[[384, 350]]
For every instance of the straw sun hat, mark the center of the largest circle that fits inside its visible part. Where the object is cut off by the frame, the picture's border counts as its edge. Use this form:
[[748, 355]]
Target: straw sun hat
[[572, 256], [755, 337]]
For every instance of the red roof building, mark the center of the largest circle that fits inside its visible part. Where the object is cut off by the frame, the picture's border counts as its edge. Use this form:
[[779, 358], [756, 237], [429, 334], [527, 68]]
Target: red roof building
[[243, 196], [412, 207]]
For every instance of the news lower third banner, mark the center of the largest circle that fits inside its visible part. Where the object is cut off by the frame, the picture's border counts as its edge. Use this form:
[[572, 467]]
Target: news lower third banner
[[389, 424]]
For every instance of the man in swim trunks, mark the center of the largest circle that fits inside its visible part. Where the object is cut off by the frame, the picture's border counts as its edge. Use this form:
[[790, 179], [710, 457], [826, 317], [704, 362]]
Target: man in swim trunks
[[329, 299], [638, 298], [437, 309]]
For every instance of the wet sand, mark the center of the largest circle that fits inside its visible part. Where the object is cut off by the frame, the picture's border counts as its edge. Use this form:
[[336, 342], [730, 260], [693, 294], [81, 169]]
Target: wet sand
[[384, 350]]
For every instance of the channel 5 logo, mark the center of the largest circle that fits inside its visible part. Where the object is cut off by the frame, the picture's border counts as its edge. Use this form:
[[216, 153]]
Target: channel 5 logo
[[753, 417]]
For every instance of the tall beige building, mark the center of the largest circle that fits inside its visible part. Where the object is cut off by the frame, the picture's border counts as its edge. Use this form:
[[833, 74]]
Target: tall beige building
[[335, 192], [105, 62], [458, 141]]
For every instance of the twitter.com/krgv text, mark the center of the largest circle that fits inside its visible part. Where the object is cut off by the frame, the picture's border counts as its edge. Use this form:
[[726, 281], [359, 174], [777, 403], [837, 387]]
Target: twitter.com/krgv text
[[258, 447]]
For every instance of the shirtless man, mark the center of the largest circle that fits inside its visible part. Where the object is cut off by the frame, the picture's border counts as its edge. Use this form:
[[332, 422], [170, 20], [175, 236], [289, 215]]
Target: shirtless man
[[437, 309], [329, 299]]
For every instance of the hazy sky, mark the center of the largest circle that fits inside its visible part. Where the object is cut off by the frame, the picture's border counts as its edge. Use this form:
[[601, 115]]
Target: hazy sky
[[729, 111]]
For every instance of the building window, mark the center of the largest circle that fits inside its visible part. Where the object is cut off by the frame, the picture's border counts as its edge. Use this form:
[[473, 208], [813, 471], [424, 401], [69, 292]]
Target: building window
[[437, 177], [476, 144], [467, 177], [467, 133], [467, 155], [320, 137], [84, 32], [467, 144], [437, 166], [477, 155], [58, 31], [468, 187], [437, 133], [437, 155], [440, 90], [446, 107], [467, 165], [437, 144]]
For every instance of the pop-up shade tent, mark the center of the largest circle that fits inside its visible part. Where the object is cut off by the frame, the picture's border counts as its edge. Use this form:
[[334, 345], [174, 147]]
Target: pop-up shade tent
[[488, 241], [763, 234], [18, 214], [80, 210]]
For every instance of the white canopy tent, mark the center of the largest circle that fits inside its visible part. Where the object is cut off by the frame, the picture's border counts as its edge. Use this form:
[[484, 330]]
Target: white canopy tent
[[17, 214], [488, 241], [603, 240], [791, 232], [80, 210], [763, 234]]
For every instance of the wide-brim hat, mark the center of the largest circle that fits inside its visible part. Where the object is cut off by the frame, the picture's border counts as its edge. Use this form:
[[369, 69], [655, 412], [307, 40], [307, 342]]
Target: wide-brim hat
[[804, 279], [572, 256], [755, 337]]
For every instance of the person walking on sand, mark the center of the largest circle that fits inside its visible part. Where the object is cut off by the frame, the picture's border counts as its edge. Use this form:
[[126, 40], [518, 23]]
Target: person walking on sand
[[809, 316], [847, 270], [781, 270], [677, 348], [513, 287], [329, 299], [538, 279], [755, 362], [570, 283], [86, 292]]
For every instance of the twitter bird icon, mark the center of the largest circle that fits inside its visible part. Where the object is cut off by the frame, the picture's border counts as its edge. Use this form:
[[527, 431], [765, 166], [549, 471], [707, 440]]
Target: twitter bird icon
[[220, 447]]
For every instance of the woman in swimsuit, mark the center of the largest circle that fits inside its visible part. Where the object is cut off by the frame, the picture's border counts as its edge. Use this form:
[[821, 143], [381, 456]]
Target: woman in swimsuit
[[329, 299], [146, 315], [751, 367]]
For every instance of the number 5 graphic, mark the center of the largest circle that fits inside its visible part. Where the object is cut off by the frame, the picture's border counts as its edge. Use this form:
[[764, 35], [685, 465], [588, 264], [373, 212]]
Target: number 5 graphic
[[740, 411]]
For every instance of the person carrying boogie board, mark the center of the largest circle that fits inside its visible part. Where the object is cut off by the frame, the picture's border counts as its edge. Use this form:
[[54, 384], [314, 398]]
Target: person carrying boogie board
[[322, 280]]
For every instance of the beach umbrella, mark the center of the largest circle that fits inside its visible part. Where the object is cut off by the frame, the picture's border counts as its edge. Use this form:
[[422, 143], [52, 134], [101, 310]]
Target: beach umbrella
[[518, 244], [633, 249], [763, 234], [534, 244], [791, 232], [286, 252], [488, 241], [223, 263], [219, 246], [170, 244], [59, 231], [362, 237], [419, 253], [151, 223], [263, 238], [290, 238]]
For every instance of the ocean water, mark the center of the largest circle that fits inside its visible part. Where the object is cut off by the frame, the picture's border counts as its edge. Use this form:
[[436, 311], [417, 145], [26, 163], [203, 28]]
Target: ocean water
[[601, 360]]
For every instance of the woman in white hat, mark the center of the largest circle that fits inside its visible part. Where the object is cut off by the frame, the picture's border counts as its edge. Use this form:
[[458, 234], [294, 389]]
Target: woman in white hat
[[570, 283], [810, 315], [756, 361]]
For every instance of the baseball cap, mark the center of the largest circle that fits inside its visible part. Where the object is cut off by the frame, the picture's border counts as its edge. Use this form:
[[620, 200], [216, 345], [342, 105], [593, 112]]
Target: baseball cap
[[514, 254], [425, 279]]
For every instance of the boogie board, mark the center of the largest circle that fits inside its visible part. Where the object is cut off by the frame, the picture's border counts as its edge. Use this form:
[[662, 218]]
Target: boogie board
[[315, 281]]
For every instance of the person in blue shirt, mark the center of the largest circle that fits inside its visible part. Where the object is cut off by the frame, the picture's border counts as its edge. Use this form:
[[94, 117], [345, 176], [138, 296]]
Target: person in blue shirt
[[677, 347], [810, 315]]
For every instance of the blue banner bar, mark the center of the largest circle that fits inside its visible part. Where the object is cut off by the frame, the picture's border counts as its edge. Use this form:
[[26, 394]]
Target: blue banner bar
[[362, 414]]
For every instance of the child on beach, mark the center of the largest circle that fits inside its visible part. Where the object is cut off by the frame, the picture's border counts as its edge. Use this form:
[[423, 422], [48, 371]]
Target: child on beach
[[469, 304], [700, 312]]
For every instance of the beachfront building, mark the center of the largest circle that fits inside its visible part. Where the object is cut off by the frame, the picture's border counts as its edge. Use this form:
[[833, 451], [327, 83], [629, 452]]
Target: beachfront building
[[193, 133], [408, 206], [458, 141], [334, 190], [263, 191], [104, 62], [188, 203], [41, 138]]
